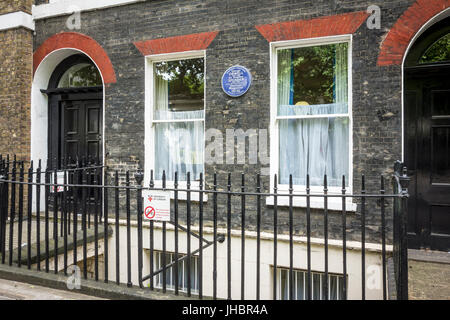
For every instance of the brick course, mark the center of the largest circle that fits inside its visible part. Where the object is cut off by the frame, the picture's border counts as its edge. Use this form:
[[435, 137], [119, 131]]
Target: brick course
[[8, 6], [346, 23], [191, 42], [81, 42], [394, 46], [15, 90]]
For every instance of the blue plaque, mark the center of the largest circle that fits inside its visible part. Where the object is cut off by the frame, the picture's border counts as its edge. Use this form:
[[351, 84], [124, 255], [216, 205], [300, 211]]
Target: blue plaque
[[236, 81]]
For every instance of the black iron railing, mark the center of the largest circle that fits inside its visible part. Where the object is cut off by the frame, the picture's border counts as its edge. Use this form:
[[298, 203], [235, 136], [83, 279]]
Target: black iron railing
[[91, 196], [400, 252]]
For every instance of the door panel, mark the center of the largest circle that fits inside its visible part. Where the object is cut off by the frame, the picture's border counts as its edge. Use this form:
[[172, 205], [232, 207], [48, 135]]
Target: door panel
[[82, 129], [440, 153], [427, 152]]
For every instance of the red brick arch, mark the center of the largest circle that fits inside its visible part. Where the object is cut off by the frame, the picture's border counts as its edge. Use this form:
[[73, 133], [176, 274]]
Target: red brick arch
[[74, 40], [396, 43]]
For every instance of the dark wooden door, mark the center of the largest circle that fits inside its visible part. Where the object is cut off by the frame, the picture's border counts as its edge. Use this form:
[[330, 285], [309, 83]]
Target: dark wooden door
[[75, 128], [82, 130], [427, 155]]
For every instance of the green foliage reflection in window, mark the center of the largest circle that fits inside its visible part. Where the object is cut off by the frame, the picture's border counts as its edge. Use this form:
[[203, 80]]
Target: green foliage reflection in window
[[314, 73], [81, 75], [185, 77], [438, 51]]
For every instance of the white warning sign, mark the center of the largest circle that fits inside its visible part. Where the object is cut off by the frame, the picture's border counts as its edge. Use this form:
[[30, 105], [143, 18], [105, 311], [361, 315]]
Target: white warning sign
[[59, 180], [156, 205]]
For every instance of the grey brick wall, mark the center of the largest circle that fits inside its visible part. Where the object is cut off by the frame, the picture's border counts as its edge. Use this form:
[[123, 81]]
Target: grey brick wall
[[376, 90]]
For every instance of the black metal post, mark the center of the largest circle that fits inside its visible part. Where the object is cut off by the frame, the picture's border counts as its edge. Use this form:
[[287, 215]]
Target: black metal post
[[200, 240], [30, 216], [275, 234], [176, 278], [363, 238], [139, 176], [129, 283], [215, 238], [229, 237], [403, 266]]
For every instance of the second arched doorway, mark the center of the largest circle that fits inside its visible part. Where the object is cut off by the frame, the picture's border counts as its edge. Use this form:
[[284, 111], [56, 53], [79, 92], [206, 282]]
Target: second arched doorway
[[75, 113], [427, 137]]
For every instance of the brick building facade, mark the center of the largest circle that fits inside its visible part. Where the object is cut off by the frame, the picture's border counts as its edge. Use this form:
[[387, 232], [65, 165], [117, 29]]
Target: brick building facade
[[16, 76]]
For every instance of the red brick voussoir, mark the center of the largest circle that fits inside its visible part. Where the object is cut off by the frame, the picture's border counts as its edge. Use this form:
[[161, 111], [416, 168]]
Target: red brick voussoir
[[397, 40]]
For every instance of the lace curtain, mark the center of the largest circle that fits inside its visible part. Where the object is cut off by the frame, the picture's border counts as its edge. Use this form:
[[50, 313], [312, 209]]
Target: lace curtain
[[178, 145], [316, 146]]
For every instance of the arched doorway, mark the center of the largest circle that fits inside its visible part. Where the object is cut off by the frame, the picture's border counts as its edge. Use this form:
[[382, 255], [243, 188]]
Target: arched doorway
[[427, 137], [75, 113]]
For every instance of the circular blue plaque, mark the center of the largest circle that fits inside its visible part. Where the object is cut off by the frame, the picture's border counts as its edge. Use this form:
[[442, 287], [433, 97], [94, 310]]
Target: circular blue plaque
[[236, 81]]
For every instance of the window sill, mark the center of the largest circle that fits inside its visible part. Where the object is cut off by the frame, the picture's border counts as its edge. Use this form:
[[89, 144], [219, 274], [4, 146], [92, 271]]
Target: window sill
[[334, 204]]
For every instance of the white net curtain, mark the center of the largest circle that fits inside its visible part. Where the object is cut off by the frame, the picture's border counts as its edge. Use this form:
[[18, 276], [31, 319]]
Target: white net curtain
[[179, 125], [313, 89]]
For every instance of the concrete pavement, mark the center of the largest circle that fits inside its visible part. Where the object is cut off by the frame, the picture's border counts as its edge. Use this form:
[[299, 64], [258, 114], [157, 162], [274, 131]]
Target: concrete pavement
[[13, 290]]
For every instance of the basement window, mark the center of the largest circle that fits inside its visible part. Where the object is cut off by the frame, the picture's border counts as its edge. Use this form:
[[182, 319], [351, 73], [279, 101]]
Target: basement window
[[300, 278], [170, 273]]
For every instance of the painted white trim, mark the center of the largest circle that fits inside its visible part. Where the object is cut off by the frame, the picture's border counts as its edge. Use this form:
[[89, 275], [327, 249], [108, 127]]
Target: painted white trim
[[65, 7], [149, 121], [438, 17], [17, 19], [39, 104], [333, 203]]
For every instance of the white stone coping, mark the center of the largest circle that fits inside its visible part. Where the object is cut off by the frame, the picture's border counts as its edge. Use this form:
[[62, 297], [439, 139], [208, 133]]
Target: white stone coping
[[16, 19], [65, 7]]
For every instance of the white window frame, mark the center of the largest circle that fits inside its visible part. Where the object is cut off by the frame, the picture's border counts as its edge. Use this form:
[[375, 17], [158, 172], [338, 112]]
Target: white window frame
[[149, 143], [315, 202]]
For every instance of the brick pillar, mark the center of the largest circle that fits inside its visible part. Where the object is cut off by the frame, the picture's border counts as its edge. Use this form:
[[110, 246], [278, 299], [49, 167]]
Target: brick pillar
[[16, 63]]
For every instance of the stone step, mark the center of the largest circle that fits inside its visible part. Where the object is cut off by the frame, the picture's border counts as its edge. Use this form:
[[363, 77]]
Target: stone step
[[90, 237]]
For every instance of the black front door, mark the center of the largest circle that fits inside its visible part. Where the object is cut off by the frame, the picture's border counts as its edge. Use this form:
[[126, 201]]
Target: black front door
[[75, 128], [427, 155], [82, 136]]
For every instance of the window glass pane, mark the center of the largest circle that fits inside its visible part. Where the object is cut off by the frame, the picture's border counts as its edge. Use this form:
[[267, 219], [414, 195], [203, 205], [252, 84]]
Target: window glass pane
[[316, 286], [300, 285], [284, 286], [81, 75], [157, 267], [341, 289], [180, 273], [179, 148], [438, 51], [333, 287], [169, 271], [315, 147], [193, 273], [179, 89], [313, 80]]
